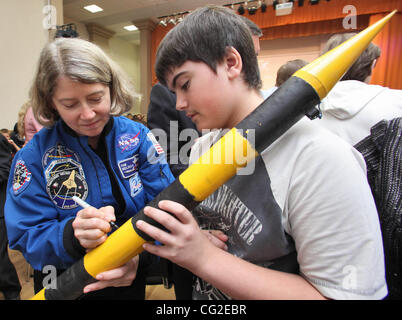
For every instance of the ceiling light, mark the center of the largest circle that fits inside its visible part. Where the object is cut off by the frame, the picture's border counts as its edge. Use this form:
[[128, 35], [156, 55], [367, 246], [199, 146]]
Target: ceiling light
[[93, 8], [131, 27]]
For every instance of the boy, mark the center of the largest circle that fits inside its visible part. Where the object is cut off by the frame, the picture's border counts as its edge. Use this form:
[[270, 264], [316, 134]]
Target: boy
[[303, 225]]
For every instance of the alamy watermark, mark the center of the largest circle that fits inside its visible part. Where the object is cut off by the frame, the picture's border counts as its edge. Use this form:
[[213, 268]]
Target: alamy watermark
[[50, 280], [50, 19], [350, 21], [350, 279], [230, 149]]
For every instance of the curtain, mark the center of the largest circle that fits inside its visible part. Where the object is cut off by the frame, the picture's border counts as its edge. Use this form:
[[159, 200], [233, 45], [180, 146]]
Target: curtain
[[311, 28], [388, 71], [157, 36], [326, 18], [324, 10]]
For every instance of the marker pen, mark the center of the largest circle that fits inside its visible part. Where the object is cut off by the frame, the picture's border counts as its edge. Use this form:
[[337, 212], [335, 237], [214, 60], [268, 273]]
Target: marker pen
[[84, 205]]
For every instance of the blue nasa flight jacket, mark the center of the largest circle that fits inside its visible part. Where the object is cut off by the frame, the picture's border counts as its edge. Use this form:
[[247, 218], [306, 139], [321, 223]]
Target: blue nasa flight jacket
[[56, 165]]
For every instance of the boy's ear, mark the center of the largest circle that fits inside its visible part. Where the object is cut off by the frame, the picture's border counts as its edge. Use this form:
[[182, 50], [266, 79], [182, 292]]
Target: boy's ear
[[233, 63]]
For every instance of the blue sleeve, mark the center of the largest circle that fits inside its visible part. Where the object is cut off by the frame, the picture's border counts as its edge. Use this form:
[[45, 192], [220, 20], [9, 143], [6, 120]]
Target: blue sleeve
[[34, 225], [154, 169]]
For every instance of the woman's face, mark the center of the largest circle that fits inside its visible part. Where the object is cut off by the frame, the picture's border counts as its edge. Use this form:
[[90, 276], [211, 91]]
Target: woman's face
[[85, 108]]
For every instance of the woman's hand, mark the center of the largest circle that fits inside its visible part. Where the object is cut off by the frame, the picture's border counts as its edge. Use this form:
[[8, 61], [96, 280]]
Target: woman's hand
[[119, 277], [91, 226]]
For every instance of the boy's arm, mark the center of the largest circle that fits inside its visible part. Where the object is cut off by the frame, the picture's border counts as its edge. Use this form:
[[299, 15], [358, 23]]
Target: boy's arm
[[187, 246]]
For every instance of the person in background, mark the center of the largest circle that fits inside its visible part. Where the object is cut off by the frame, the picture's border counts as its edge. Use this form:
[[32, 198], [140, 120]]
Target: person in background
[[368, 117], [285, 71], [13, 147], [31, 125], [288, 69], [18, 134], [256, 34], [140, 118], [177, 134], [90, 151], [16, 137], [9, 283], [354, 106]]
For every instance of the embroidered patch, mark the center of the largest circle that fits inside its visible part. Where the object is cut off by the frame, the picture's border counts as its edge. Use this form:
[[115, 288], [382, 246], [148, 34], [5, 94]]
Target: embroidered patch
[[63, 164], [128, 141], [22, 177], [155, 142], [135, 184], [62, 186], [58, 152], [129, 166]]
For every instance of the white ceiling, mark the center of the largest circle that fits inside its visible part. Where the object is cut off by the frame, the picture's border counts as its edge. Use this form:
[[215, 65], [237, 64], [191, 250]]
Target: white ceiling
[[118, 13]]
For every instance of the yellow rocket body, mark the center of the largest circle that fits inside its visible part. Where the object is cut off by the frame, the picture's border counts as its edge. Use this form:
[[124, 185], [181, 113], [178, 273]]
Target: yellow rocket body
[[219, 164], [114, 252]]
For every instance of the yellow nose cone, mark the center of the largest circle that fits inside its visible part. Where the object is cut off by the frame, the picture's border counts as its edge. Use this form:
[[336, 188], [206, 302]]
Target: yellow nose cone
[[324, 72]]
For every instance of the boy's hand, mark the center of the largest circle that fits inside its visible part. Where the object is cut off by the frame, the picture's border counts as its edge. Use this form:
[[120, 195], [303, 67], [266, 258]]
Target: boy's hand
[[91, 226], [185, 244]]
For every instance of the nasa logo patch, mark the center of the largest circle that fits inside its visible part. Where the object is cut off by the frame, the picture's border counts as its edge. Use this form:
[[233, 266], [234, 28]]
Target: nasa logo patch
[[22, 177]]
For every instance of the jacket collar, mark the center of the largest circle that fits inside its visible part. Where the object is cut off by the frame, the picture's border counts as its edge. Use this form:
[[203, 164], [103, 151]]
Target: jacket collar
[[108, 127]]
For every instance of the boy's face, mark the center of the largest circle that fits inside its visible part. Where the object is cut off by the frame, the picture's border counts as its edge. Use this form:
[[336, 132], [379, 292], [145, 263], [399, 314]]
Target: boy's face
[[205, 96]]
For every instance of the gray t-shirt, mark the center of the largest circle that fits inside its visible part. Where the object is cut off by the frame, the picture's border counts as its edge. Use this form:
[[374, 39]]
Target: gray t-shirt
[[306, 208]]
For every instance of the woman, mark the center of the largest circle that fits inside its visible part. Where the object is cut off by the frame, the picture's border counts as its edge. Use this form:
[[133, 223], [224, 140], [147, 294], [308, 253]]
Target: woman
[[87, 150]]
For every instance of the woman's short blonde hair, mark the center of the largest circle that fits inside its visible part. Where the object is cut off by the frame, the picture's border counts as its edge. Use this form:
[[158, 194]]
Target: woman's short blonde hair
[[81, 61]]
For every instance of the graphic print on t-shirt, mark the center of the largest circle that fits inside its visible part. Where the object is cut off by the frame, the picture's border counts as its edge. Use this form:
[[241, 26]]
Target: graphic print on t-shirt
[[245, 209]]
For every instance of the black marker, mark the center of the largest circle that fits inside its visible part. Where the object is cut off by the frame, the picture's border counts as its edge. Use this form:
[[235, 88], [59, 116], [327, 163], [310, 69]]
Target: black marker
[[84, 205]]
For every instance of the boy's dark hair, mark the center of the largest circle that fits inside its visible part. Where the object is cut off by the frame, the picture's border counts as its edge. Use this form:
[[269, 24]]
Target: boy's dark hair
[[204, 36], [361, 69]]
